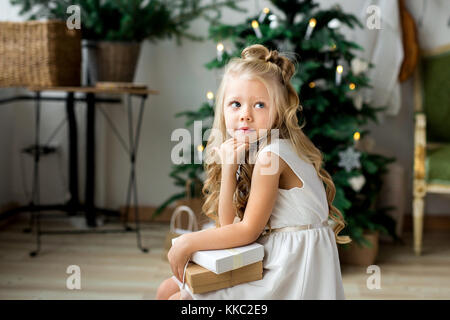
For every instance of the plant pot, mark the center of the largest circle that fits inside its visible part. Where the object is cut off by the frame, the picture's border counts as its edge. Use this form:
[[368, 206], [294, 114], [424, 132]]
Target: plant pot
[[354, 254], [110, 61]]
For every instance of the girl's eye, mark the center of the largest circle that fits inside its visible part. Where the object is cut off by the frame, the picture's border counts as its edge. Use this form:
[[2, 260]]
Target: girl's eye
[[234, 103], [262, 104]]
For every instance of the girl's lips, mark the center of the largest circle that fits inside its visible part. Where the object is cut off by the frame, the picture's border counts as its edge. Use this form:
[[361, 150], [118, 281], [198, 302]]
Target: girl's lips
[[245, 130]]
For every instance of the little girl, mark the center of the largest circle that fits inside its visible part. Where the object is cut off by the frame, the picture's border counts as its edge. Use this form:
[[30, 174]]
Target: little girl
[[279, 198]]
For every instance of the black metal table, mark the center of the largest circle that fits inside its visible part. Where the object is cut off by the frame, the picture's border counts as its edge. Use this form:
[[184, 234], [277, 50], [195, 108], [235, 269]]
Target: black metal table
[[73, 205]]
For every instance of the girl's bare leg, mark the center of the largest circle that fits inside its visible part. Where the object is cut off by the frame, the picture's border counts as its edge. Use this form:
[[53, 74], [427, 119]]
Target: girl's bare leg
[[167, 289], [175, 296]]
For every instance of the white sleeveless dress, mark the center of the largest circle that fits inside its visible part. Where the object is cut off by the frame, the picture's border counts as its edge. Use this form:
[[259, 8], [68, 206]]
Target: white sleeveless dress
[[297, 265]]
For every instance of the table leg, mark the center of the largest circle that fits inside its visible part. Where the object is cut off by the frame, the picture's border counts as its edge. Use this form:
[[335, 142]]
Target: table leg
[[90, 160], [73, 203], [132, 185], [35, 201]]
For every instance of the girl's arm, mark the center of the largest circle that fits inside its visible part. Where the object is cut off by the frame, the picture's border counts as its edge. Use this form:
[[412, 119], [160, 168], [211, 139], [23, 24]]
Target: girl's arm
[[227, 211], [263, 194]]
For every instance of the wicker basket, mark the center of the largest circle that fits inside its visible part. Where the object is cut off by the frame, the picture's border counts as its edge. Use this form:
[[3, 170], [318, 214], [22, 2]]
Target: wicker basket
[[39, 53]]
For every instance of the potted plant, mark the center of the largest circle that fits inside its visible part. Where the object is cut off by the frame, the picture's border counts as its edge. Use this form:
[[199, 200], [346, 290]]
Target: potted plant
[[113, 30]]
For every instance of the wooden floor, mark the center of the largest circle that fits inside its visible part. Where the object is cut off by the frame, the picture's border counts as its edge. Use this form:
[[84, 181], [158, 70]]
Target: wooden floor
[[112, 267]]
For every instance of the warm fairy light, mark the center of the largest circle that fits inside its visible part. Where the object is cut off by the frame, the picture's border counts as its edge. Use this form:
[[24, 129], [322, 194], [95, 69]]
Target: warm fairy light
[[339, 69], [333, 46], [200, 147], [352, 86], [312, 22], [266, 10], [255, 26], [210, 95], [356, 136], [312, 84], [220, 46]]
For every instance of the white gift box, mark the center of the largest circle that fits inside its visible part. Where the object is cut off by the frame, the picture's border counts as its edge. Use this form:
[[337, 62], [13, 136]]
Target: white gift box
[[223, 260]]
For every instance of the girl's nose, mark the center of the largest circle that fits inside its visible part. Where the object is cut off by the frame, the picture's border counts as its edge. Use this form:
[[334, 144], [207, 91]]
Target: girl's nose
[[245, 115]]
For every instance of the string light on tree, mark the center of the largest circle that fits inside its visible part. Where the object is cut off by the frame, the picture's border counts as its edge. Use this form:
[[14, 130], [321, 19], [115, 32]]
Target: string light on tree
[[356, 137], [200, 149], [352, 86], [339, 70], [220, 49], [263, 14], [210, 97], [358, 181], [311, 25], [255, 26], [312, 84]]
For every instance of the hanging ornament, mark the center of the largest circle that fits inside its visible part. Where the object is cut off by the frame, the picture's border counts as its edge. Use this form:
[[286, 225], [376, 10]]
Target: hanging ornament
[[339, 70], [220, 49], [334, 23], [263, 14], [357, 182], [349, 159], [255, 26], [311, 25], [358, 101], [273, 21], [142, 5], [358, 66]]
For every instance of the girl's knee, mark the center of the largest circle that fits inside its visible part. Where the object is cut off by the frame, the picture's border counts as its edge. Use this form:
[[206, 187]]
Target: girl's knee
[[166, 289], [175, 296]]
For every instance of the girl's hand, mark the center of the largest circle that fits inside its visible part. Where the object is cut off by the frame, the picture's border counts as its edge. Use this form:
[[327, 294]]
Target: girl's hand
[[231, 151], [178, 255]]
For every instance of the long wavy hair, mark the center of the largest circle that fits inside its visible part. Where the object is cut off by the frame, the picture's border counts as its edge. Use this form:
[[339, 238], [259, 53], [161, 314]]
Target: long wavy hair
[[274, 70]]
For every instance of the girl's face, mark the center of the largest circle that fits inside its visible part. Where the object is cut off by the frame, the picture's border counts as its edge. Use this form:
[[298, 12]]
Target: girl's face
[[246, 105]]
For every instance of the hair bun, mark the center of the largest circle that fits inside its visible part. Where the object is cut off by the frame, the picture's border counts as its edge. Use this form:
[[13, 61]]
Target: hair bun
[[258, 51]]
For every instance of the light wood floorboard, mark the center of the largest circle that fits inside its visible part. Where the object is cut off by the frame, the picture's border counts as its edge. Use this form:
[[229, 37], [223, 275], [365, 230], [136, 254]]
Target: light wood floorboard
[[112, 267]]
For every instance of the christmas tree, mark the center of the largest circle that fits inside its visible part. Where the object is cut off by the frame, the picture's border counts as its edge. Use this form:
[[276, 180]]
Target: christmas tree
[[329, 80]]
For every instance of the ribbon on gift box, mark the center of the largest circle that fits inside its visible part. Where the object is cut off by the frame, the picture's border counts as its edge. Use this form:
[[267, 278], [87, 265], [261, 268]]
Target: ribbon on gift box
[[237, 258]]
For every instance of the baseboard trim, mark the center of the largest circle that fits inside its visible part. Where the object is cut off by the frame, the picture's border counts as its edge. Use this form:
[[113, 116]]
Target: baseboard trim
[[430, 222], [146, 214], [8, 206]]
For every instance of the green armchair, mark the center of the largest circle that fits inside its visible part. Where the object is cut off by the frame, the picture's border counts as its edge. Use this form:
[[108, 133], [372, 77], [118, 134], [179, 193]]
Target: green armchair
[[431, 134]]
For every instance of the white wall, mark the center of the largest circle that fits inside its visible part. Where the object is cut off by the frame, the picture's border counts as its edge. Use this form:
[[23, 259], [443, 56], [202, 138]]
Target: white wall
[[178, 73]]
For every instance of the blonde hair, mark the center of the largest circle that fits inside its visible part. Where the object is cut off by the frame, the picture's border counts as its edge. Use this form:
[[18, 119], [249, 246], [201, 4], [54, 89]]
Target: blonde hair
[[274, 70]]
